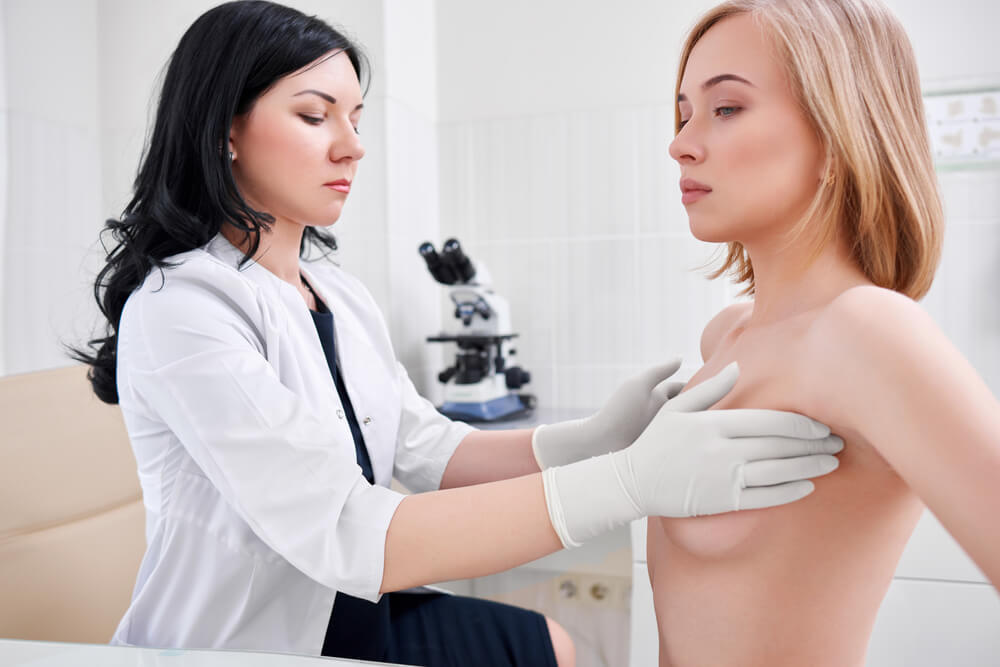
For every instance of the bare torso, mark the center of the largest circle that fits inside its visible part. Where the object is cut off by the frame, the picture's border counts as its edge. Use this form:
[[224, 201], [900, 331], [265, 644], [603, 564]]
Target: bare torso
[[793, 585]]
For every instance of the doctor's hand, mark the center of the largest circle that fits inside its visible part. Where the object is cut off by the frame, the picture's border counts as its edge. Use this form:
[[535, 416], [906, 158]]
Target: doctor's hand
[[691, 462], [615, 426]]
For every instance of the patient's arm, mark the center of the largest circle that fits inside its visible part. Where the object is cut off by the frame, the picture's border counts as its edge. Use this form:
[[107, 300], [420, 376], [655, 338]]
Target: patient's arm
[[906, 389]]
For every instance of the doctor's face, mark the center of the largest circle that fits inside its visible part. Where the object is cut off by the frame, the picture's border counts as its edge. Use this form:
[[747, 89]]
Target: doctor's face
[[750, 162], [296, 151]]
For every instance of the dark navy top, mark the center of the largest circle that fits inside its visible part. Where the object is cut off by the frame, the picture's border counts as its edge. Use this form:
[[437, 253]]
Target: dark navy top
[[324, 327]]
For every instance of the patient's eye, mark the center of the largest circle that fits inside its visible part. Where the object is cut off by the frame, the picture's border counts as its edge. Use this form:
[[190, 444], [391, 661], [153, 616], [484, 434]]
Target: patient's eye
[[726, 112]]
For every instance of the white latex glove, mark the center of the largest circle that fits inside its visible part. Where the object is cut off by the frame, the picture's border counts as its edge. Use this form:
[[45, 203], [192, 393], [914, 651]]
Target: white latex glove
[[615, 426], [690, 462]]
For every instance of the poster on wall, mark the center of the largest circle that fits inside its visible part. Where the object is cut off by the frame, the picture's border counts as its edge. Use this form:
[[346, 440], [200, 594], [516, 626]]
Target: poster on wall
[[964, 128]]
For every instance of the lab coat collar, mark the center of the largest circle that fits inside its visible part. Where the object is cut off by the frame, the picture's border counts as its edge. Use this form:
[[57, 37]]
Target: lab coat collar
[[355, 351]]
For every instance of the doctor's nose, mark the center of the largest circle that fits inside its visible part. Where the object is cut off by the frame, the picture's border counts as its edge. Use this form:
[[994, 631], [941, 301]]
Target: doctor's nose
[[349, 147]]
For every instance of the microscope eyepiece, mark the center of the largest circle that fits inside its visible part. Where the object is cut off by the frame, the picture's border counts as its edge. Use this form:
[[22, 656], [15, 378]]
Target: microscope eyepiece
[[442, 270], [451, 253]]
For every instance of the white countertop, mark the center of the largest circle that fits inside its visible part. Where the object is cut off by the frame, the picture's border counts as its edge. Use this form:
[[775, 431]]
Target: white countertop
[[544, 415], [15, 652]]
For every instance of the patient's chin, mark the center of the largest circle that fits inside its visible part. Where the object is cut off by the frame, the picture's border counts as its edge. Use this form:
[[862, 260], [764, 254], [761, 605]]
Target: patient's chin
[[713, 537]]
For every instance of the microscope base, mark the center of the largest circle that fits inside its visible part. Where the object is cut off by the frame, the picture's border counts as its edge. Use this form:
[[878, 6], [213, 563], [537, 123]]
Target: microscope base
[[505, 407]]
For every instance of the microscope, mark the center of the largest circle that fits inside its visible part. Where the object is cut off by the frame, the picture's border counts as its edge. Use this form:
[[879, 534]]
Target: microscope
[[481, 385]]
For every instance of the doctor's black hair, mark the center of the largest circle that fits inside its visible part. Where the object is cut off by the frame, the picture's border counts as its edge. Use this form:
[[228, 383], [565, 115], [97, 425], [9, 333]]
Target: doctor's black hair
[[184, 189]]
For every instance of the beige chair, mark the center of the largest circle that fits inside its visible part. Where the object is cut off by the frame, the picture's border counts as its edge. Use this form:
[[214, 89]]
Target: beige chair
[[71, 515]]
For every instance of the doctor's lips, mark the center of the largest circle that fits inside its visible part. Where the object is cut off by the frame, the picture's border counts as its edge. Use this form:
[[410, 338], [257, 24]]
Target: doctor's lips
[[342, 185], [692, 190]]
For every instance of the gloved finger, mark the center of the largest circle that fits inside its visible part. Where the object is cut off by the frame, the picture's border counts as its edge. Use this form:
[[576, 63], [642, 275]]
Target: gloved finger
[[769, 496], [708, 393], [780, 471], [759, 449], [758, 423], [667, 390], [656, 374]]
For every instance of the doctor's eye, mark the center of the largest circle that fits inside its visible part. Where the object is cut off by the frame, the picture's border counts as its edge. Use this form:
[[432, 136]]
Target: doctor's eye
[[311, 120]]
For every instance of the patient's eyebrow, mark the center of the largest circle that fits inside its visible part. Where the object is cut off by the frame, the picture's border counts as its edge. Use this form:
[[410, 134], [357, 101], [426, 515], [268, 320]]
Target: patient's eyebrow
[[329, 98], [715, 80]]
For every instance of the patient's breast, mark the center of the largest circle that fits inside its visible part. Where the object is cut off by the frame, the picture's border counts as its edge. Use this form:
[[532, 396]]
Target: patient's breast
[[731, 534], [716, 536]]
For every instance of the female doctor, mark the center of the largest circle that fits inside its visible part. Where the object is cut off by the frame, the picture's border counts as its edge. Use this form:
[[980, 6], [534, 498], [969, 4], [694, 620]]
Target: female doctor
[[268, 413]]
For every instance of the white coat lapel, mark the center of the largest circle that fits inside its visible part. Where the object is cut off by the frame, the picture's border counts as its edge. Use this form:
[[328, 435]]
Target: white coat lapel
[[298, 359], [369, 379]]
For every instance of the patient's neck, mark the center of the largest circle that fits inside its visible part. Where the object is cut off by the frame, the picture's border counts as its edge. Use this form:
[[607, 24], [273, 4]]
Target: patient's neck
[[787, 282]]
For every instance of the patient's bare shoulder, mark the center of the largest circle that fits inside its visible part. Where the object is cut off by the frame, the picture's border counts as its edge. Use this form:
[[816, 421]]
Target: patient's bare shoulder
[[862, 340], [720, 325], [870, 320]]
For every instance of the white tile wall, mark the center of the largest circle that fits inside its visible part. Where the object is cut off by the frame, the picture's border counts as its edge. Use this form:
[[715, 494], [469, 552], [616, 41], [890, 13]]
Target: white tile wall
[[932, 623], [577, 217], [411, 187], [643, 633], [933, 555], [52, 180]]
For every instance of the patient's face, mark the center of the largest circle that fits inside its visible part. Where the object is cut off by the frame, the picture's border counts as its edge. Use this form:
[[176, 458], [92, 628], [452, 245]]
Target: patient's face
[[745, 138]]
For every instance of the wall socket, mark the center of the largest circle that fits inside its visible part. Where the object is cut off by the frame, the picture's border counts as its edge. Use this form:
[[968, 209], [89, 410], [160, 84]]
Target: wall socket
[[593, 590]]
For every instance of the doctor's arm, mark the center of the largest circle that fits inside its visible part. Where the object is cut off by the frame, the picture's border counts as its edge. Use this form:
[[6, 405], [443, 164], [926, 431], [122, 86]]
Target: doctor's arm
[[687, 462], [911, 394]]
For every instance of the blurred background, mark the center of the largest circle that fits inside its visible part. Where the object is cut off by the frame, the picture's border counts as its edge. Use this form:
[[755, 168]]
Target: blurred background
[[536, 133]]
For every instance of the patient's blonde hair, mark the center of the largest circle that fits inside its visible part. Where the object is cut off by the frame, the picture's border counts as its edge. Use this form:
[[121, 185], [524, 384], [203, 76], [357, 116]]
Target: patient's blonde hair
[[852, 68]]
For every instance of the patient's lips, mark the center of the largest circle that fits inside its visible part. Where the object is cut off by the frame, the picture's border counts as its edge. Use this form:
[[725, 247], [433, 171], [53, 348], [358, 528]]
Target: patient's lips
[[692, 190]]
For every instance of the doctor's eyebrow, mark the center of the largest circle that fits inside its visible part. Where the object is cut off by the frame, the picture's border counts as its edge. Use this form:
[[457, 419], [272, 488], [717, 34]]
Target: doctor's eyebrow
[[329, 98], [715, 80]]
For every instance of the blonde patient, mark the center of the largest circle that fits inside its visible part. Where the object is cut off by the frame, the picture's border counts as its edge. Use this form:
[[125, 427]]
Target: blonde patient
[[801, 142]]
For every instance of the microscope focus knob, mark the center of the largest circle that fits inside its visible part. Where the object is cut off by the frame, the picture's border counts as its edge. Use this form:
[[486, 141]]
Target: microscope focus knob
[[517, 377]]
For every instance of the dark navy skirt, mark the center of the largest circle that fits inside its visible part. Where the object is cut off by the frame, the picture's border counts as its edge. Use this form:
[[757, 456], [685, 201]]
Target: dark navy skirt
[[438, 630]]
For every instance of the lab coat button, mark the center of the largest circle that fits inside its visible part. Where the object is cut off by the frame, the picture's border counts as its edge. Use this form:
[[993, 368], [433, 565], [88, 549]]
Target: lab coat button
[[368, 420], [340, 414]]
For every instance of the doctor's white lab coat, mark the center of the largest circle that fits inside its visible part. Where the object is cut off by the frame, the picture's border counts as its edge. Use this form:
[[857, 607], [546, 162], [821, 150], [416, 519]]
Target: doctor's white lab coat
[[257, 512]]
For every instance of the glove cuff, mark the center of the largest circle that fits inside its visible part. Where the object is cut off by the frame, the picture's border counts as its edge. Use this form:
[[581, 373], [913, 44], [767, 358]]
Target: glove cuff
[[536, 448], [587, 498], [554, 504], [562, 443]]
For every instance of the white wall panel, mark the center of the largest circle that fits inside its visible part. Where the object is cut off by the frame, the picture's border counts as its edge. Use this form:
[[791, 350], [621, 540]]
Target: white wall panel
[[929, 624], [53, 179], [932, 553], [676, 299], [521, 58], [644, 647], [596, 309]]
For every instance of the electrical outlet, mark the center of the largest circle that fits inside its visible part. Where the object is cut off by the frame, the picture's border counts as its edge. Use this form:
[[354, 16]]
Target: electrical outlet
[[567, 587]]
